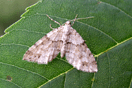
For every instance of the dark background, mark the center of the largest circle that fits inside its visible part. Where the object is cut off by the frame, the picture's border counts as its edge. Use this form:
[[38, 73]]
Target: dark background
[[11, 10]]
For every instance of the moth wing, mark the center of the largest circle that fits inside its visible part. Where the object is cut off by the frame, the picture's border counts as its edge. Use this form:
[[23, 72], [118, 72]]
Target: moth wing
[[79, 55], [74, 37], [45, 49]]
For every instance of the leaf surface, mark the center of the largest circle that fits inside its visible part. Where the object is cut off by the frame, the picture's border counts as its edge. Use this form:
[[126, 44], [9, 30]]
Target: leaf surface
[[108, 35]]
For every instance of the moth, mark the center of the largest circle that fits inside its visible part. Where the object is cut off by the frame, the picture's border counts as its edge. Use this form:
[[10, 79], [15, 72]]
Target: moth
[[68, 42]]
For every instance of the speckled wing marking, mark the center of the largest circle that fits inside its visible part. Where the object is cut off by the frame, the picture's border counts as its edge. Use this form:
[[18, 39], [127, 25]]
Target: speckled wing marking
[[67, 41], [45, 49], [78, 54]]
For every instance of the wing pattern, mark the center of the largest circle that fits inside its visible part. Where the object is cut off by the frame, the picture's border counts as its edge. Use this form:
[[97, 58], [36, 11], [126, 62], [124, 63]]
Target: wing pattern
[[67, 41]]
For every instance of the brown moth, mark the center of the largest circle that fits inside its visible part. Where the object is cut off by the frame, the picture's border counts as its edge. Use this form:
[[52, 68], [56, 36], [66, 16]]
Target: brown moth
[[69, 43]]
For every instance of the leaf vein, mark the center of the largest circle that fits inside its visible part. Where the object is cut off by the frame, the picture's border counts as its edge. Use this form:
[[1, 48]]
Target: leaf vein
[[24, 70], [11, 82]]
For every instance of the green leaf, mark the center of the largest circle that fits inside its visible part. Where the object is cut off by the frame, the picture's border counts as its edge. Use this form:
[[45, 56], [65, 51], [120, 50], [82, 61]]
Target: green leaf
[[108, 35]]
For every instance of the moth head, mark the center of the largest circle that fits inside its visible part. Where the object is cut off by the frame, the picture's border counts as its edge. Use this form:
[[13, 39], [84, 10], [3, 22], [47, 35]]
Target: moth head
[[68, 23]]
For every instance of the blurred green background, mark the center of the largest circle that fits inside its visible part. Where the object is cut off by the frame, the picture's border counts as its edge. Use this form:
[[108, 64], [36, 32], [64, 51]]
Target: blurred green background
[[10, 11]]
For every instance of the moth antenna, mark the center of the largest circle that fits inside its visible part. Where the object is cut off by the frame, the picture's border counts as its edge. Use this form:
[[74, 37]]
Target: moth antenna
[[79, 19], [53, 20]]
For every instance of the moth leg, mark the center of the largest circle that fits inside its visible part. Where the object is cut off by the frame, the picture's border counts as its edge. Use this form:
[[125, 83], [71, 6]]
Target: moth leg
[[74, 20], [51, 27]]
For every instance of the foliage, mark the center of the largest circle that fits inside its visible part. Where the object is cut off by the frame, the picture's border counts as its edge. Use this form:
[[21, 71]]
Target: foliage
[[108, 35]]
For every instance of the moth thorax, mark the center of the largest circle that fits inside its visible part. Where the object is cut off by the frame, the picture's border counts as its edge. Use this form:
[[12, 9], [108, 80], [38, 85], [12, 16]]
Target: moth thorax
[[68, 23]]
